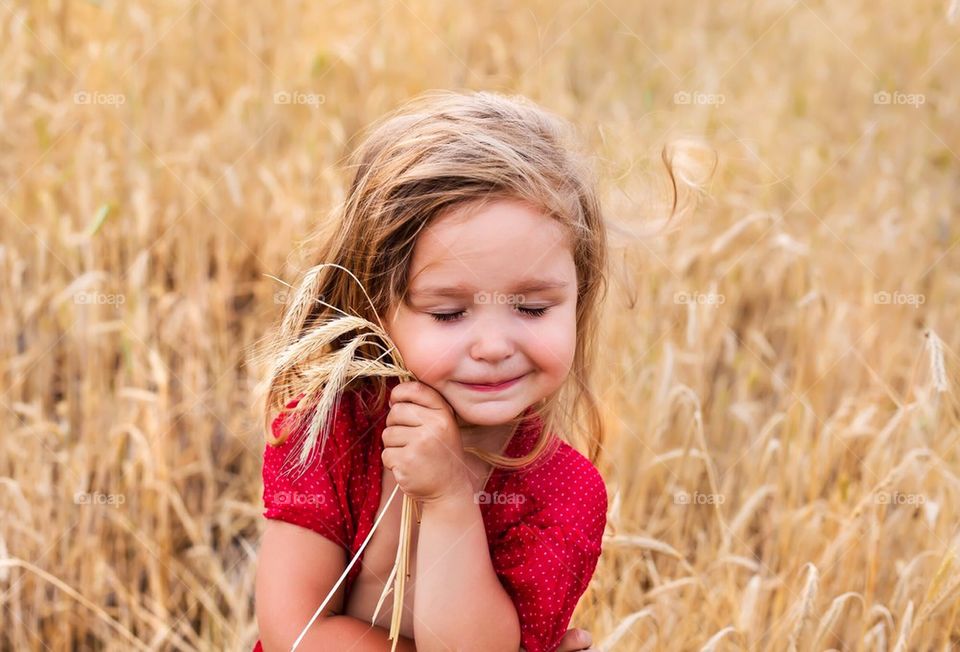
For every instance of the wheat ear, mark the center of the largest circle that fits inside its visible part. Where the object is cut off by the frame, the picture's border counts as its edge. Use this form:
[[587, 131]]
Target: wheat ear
[[327, 376]]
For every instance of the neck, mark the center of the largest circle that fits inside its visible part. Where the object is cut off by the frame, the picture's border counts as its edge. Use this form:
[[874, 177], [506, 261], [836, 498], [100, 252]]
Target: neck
[[491, 439]]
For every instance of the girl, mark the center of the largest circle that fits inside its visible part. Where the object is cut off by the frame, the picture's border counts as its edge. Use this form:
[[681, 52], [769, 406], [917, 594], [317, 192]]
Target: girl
[[475, 230]]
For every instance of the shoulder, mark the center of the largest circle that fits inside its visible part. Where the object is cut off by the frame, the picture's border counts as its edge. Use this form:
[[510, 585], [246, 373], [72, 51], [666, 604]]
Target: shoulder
[[349, 420], [351, 408], [567, 486], [567, 472]]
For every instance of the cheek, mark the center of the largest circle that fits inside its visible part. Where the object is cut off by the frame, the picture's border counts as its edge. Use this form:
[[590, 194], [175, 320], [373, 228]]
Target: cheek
[[556, 344], [428, 350]]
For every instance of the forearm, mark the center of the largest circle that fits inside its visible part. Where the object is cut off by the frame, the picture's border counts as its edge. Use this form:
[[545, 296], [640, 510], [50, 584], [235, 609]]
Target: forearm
[[459, 600], [346, 632]]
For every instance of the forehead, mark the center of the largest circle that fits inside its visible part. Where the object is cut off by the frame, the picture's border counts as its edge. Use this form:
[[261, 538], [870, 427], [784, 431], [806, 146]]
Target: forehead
[[491, 246]]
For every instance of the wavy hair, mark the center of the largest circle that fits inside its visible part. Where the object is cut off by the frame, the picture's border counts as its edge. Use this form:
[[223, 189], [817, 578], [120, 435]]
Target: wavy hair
[[441, 151]]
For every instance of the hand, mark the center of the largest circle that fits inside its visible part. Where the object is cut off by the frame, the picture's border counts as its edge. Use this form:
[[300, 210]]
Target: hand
[[575, 640], [422, 444]]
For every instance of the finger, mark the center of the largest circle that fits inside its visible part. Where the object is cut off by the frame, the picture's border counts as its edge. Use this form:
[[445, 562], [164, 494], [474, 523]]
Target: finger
[[388, 456], [569, 642], [584, 638], [405, 414], [416, 392], [393, 458], [396, 436], [575, 640]]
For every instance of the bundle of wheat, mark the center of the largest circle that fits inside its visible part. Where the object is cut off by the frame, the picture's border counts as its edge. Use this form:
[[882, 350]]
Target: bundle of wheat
[[322, 373]]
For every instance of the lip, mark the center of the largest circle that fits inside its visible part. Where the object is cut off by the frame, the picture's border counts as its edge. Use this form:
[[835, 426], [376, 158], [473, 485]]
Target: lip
[[496, 387]]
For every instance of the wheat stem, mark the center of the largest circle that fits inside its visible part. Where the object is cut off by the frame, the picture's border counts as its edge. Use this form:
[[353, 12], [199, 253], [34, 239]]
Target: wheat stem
[[328, 377], [346, 571]]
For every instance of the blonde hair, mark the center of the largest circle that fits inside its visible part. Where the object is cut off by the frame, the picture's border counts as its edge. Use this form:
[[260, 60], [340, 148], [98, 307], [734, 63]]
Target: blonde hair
[[441, 151]]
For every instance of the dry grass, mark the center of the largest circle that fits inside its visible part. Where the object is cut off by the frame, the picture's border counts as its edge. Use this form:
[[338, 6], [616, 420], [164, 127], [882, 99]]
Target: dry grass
[[782, 459]]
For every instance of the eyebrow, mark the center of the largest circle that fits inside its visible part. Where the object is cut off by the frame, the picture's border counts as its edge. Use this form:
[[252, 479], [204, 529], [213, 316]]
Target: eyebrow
[[461, 289]]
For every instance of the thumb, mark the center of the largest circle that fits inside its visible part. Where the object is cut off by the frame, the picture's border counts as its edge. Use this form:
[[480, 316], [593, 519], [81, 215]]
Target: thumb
[[575, 640]]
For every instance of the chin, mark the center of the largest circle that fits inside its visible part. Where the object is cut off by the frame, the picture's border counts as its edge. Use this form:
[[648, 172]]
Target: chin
[[493, 413]]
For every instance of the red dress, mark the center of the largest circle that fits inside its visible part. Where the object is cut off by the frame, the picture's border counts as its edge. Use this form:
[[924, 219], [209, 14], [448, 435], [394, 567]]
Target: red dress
[[544, 524]]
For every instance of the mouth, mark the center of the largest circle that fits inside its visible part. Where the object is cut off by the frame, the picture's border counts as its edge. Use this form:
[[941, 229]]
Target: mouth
[[492, 387]]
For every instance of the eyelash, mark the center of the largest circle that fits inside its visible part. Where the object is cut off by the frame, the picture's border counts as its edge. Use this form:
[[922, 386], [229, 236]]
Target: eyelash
[[445, 317]]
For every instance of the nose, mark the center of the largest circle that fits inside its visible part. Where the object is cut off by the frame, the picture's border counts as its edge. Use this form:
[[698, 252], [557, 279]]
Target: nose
[[492, 343]]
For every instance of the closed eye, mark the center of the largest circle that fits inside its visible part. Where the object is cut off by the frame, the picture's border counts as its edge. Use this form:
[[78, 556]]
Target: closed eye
[[455, 316]]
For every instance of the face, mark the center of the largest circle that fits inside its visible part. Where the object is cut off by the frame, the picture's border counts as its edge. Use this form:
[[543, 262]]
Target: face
[[492, 297]]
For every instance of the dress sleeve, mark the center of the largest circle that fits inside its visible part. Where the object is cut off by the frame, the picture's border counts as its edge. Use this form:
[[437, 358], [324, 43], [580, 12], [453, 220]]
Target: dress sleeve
[[312, 496], [545, 562]]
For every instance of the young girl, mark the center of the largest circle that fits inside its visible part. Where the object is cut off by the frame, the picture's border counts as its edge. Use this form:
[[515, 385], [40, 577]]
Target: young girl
[[476, 232]]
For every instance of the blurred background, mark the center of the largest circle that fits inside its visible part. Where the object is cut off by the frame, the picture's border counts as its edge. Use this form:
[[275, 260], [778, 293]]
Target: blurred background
[[779, 373]]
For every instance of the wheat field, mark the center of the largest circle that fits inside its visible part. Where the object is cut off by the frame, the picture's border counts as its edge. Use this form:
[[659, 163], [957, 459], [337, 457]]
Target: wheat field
[[779, 369]]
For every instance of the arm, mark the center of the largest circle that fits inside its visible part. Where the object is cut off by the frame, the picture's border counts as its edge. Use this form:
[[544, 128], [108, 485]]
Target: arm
[[297, 568], [459, 599], [348, 633]]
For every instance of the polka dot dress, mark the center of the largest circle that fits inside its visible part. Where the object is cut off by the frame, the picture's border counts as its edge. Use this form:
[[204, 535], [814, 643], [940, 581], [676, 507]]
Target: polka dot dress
[[544, 523]]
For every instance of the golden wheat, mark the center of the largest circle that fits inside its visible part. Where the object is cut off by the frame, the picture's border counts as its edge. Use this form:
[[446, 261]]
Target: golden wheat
[[153, 175]]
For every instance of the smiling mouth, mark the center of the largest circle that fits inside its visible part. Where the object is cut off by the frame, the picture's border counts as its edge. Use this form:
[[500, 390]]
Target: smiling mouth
[[493, 387]]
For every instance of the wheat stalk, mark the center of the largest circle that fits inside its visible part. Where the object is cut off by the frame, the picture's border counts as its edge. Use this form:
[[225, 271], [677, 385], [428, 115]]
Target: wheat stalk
[[937, 367], [831, 617], [327, 375], [711, 645], [905, 629], [805, 606]]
